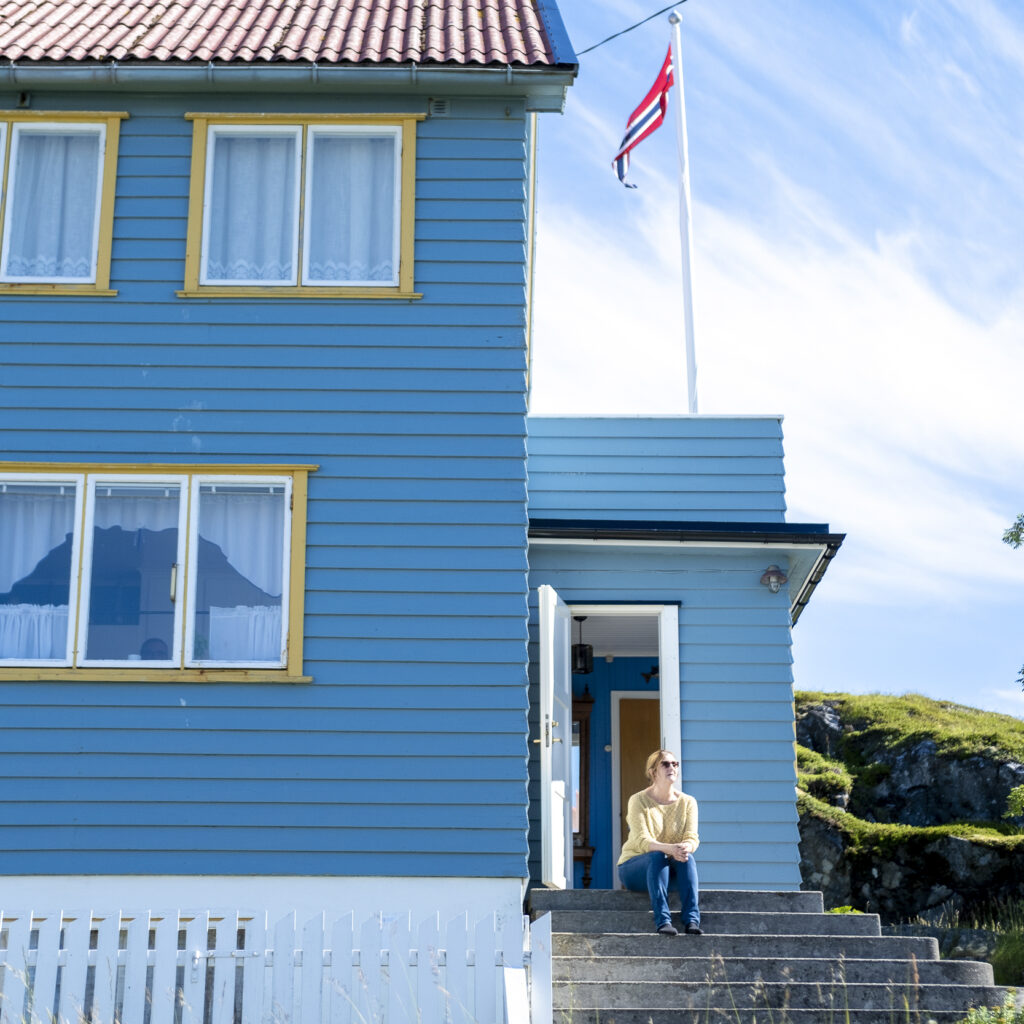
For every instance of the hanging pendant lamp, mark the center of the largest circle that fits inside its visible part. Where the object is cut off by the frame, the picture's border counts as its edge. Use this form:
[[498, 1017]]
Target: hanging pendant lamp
[[582, 654]]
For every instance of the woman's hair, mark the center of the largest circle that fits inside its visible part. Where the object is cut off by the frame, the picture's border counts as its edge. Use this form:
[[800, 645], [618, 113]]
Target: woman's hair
[[655, 760]]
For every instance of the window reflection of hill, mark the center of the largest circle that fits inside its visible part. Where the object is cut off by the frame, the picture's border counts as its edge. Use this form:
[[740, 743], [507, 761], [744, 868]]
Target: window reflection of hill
[[125, 557]]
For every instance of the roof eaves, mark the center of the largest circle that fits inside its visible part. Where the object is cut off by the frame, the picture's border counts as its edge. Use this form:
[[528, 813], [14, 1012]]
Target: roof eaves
[[558, 38]]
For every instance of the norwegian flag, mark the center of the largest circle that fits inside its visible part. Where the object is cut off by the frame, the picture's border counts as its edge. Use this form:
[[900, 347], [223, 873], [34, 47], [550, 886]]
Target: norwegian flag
[[645, 119]]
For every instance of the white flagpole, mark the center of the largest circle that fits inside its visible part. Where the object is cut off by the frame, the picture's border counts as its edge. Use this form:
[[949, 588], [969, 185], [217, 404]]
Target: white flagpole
[[686, 243]]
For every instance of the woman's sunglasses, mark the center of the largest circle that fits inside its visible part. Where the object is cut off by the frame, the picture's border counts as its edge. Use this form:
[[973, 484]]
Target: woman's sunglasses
[[669, 764]]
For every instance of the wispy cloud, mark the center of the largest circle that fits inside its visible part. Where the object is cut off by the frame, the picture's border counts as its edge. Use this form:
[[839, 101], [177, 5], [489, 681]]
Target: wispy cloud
[[858, 204]]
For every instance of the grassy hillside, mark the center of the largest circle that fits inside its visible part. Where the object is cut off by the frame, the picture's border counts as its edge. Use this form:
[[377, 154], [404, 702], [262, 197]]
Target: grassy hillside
[[901, 722]]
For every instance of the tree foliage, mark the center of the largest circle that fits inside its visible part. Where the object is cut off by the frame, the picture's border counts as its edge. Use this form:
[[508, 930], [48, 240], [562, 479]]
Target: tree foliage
[[1014, 536]]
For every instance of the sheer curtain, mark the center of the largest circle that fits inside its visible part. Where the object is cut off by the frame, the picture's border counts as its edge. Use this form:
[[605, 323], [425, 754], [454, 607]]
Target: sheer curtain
[[34, 520], [250, 235], [52, 204], [247, 523], [350, 209], [33, 631]]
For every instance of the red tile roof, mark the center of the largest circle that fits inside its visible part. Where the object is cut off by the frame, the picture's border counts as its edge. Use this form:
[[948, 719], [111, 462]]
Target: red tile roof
[[334, 31]]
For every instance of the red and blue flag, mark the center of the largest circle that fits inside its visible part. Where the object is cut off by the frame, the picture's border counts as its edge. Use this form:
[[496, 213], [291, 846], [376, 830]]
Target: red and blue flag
[[645, 119]]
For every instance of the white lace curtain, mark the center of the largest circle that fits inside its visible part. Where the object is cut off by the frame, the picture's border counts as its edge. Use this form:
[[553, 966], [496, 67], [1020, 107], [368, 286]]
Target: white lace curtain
[[349, 219], [52, 204], [252, 200], [33, 631], [245, 633], [351, 223]]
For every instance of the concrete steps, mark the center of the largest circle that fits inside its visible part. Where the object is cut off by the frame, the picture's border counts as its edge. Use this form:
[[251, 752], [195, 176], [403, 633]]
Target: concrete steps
[[765, 958]]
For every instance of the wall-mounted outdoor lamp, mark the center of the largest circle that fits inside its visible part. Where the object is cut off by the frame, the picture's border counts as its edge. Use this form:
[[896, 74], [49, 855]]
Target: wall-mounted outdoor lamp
[[773, 578]]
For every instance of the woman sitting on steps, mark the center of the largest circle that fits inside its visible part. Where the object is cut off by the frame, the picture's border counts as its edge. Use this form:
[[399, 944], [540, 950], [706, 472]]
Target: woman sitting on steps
[[662, 839]]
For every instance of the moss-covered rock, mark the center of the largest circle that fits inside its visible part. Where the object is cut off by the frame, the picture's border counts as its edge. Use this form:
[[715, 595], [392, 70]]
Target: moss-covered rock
[[917, 761], [903, 871]]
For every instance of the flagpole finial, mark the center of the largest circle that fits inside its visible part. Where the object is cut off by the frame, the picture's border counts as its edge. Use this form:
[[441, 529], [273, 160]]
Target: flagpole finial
[[674, 18]]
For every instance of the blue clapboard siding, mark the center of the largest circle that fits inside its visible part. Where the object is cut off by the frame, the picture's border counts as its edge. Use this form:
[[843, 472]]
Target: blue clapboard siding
[[406, 753], [668, 468], [736, 701]]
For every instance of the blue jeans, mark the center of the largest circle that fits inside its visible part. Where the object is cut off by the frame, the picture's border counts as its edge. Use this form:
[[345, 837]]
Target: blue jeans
[[652, 871]]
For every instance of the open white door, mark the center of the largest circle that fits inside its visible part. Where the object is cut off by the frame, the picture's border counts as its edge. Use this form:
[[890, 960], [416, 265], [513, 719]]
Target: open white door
[[668, 679], [555, 740]]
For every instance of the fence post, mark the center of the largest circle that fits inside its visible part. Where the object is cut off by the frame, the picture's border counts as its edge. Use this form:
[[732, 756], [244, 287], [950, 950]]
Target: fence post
[[541, 1009], [485, 988], [136, 946], [193, 989], [105, 974], [72, 977], [369, 1004], [282, 990], [45, 977], [458, 991], [312, 969], [165, 992], [342, 969], [254, 969], [429, 971]]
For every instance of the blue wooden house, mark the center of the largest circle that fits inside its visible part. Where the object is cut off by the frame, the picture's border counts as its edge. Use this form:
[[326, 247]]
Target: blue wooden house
[[278, 626]]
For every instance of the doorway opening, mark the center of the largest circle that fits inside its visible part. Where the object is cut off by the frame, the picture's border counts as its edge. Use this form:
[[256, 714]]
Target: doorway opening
[[615, 715]]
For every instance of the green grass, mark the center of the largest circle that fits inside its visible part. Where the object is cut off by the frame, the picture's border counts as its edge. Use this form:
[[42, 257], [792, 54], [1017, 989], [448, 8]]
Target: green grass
[[902, 722], [819, 776], [1005, 1014], [867, 837], [1004, 918]]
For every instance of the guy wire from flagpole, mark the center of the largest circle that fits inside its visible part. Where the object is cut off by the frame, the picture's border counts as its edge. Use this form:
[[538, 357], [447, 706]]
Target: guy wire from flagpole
[[686, 244], [636, 24]]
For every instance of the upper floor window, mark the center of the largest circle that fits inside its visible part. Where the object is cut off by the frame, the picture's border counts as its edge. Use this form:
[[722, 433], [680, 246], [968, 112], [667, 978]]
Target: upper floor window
[[309, 204], [58, 199], [176, 570]]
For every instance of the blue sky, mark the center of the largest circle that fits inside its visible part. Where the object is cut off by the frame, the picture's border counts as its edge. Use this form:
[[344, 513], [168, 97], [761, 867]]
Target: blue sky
[[857, 174]]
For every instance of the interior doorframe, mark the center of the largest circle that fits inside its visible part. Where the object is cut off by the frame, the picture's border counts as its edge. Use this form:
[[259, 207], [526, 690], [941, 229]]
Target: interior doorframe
[[669, 695], [617, 696], [668, 658]]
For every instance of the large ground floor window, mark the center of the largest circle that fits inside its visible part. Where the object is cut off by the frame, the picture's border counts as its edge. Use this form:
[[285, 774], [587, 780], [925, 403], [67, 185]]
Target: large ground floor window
[[184, 569]]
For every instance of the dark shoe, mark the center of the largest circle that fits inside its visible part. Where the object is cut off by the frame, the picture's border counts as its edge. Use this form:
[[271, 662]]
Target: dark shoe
[[667, 929], [693, 929]]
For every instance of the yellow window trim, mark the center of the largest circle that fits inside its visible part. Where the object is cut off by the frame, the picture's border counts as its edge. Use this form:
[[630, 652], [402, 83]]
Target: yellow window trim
[[292, 672], [112, 120], [221, 468], [197, 187], [293, 292], [160, 675]]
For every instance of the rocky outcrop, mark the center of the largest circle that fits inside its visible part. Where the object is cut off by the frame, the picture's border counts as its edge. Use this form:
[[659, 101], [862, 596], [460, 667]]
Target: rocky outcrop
[[917, 873], [901, 848], [913, 784], [924, 788]]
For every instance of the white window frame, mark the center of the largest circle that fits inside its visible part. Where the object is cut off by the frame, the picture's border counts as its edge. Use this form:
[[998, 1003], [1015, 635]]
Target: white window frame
[[58, 480], [86, 566], [189, 483], [295, 131], [193, 569], [49, 127], [366, 131]]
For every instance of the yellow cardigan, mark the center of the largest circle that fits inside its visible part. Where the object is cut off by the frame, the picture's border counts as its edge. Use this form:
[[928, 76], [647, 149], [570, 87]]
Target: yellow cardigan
[[650, 822]]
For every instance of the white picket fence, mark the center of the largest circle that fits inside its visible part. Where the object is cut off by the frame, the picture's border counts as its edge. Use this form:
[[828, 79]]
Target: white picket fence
[[233, 968]]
